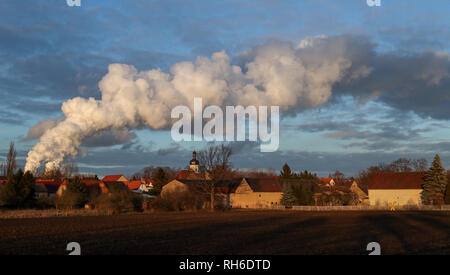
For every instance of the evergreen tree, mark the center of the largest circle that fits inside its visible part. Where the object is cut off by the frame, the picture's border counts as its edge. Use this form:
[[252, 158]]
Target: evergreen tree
[[304, 192], [305, 175], [288, 198], [160, 179], [77, 186], [447, 194], [434, 183], [286, 172], [75, 195], [18, 192]]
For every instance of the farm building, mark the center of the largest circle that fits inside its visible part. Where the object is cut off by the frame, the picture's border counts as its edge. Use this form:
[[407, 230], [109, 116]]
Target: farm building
[[256, 193], [40, 191], [47, 188], [396, 188], [93, 186]]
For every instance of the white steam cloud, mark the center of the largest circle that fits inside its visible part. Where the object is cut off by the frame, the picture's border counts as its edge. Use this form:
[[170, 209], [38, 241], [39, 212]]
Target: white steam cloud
[[277, 73]]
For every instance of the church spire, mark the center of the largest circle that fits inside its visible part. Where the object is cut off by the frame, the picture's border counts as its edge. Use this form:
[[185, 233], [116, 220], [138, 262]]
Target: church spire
[[194, 164]]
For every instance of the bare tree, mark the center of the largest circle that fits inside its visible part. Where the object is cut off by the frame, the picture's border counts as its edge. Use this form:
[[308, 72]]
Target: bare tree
[[338, 176], [69, 169], [2, 170], [11, 165], [419, 165], [215, 161], [401, 165]]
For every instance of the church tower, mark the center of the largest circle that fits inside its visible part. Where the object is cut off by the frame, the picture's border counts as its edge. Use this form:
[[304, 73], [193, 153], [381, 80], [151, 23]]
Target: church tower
[[193, 164]]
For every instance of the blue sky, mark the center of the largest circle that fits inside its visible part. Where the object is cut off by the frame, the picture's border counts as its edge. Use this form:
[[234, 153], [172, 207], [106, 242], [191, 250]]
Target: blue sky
[[50, 52]]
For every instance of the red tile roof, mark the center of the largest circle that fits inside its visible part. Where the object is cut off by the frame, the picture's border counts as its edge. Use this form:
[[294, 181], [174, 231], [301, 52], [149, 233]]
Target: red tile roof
[[48, 181], [112, 178], [183, 174], [133, 185], [403, 180], [325, 180]]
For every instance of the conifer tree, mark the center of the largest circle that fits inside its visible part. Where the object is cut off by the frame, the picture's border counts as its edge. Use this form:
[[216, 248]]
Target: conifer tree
[[434, 183], [288, 198], [75, 196], [160, 179], [447, 194], [18, 192], [286, 172]]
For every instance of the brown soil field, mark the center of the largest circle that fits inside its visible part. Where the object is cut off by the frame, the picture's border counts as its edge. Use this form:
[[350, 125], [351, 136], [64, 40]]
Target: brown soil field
[[231, 232]]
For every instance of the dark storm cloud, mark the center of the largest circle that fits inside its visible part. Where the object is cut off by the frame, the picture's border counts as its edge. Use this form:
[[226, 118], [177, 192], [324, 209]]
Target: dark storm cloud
[[416, 82], [328, 123], [417, 38], [175, 149], [109, 138]]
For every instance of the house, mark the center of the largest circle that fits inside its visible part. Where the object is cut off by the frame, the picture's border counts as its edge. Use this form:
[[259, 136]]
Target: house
[[143, 185], [47, 188], [40, 191], [348, 186], [133, 185], [223, 189], [114, 184], [386, 189], [182, 185], [256, 193], [112, 178], [327, 182], [93, 186], [363, 197], [146, 185]]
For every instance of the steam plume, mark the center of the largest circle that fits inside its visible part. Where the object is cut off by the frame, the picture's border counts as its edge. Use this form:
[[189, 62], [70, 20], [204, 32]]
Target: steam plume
[[277, 73]]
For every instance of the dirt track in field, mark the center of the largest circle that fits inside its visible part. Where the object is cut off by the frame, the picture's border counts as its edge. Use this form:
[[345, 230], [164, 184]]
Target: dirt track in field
[[232, 232]]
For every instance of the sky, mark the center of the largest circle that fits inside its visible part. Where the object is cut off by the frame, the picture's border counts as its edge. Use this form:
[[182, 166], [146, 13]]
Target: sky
[[389, 98]]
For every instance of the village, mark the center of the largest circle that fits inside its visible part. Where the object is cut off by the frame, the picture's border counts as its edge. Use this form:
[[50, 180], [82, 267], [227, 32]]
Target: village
[[193, 188]]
